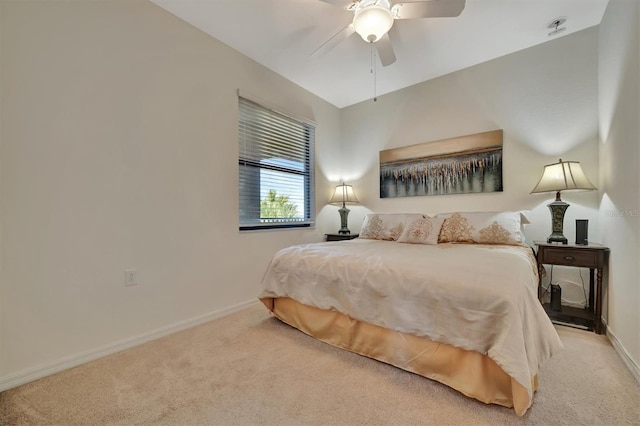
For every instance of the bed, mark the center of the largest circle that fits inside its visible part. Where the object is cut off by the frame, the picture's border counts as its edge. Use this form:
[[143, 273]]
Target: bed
[[465, 314]]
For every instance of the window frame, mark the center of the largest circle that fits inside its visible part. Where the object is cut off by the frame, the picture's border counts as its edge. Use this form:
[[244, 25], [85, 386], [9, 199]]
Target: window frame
[[306, 143]]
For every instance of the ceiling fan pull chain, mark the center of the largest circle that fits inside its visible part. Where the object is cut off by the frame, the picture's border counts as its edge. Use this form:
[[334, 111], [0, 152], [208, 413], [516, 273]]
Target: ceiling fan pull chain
[[373, 71], [371, 58]]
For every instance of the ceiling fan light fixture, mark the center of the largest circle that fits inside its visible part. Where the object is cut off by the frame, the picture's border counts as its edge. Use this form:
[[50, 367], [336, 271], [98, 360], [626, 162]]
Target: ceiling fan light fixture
[[372, 22]]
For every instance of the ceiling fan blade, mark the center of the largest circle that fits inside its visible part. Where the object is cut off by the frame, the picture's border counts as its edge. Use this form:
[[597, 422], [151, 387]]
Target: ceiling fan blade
[[344, 4], [336, 39], [385, 50], [429, 9]]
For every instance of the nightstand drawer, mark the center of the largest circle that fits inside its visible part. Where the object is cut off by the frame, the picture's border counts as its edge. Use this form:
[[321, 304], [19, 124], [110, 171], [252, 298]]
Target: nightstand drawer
[[583, 258]]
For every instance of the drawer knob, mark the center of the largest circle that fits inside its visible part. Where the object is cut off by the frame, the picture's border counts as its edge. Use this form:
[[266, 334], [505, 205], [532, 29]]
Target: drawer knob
[[569, 258]]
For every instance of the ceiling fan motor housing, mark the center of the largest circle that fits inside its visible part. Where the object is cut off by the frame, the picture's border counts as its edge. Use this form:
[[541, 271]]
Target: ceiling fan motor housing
[[373, 19]]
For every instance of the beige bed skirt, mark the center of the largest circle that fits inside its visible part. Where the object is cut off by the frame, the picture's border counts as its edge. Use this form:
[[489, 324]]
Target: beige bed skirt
[[471, 373]]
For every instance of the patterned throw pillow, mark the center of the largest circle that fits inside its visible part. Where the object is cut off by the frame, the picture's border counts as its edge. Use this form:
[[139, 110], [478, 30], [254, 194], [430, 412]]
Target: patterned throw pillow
[[385, 226], [421, 231], [482, 228], [456, 229]]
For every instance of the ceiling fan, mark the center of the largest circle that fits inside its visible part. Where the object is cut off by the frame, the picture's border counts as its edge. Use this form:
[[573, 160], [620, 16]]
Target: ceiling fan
[[372, 20]]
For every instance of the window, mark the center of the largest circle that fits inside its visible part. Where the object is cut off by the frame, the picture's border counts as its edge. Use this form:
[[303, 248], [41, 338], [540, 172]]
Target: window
[[276, 169]]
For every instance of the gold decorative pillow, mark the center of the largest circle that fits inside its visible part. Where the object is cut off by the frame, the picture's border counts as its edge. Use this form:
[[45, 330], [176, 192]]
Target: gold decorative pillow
[[424, 230], [494, 234], [385, 226], [456, 229], [482, 228]]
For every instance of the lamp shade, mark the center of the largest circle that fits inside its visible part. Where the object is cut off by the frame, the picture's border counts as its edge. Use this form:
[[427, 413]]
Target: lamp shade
[[373, 20], [563, 176], [344, 195]]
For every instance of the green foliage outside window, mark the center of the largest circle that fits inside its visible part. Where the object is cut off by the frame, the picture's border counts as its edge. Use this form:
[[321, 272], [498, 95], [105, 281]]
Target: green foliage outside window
[[277, 206]]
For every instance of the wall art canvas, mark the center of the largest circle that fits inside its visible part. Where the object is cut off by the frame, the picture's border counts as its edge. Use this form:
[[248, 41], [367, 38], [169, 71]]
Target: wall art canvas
[[462, 165]]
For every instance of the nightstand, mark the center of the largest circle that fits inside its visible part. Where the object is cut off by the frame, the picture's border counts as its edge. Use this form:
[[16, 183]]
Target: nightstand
[[340, 237], [593, 256]]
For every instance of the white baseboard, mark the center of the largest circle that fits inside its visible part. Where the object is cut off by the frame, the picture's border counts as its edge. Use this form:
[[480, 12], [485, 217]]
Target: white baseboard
[[38, 372], [628, 361]]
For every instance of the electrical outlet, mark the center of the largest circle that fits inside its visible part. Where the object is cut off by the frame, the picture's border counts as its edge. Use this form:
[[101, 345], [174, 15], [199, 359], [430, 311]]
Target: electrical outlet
[[130, 277]]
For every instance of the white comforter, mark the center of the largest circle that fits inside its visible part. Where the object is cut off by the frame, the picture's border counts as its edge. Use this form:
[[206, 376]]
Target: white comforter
[[475, 297]]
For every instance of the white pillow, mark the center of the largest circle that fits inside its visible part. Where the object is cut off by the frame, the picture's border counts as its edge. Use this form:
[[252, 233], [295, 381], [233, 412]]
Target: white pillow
[[424, 230], [378, 226], [482, 228]]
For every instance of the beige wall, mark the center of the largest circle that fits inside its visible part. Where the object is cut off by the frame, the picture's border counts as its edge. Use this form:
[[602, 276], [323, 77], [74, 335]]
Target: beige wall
[[544, 98], [120, 151], [2, 298], [619, 116]]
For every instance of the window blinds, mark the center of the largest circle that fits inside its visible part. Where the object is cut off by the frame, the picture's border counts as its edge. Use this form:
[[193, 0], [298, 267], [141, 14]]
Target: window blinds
[[275, 168]]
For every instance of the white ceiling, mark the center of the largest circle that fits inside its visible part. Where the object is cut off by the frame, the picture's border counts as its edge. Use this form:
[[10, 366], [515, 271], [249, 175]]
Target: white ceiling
[[282, 34]]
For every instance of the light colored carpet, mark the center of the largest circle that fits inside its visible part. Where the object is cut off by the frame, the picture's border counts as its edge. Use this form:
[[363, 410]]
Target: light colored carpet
[[248, 369]]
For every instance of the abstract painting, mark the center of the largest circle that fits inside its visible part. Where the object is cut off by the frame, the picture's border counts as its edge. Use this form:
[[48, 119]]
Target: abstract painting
[[462, 165]]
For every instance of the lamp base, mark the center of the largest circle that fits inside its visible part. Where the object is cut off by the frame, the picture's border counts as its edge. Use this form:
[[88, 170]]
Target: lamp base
[[344, 215], [557, 239], [558, 207]]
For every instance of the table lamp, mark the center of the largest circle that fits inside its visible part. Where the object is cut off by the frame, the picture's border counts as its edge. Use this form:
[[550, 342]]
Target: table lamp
[[342, 195], [561, 176]]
